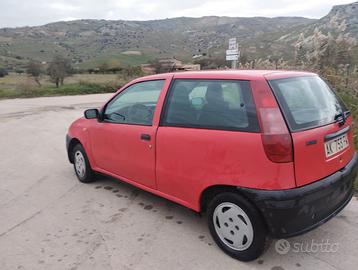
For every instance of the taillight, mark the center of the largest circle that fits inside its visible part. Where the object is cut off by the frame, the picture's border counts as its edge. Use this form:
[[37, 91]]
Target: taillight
[[276, 138]]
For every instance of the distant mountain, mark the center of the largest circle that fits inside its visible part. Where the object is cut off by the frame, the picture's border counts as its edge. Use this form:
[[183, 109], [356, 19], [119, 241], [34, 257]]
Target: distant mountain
[[341, 20], [91, 42], [341, 23]]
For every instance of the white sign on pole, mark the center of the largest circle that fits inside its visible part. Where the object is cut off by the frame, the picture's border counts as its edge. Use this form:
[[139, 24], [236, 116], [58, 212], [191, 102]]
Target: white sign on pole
[[231, 52], [232, 44], [233, 57]]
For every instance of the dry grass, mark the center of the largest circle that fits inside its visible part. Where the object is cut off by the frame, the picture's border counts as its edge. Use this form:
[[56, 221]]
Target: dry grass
[[12, 80], [15, 86], [93, 78], [15, 81]]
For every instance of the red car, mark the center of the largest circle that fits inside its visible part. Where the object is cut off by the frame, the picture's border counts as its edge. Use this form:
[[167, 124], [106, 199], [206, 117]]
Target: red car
[[264, 153]]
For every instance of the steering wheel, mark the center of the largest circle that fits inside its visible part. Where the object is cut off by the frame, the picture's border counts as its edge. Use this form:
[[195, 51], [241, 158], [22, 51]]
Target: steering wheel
[[139, 113]]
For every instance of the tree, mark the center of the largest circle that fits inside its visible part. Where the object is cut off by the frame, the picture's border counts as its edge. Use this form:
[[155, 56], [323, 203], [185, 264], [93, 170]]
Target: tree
[[103, 68], [328, 53], [158, 67], [131, 72], [114, 66], [344, 54], [58, 69], [300, 51], [34, 69], [211, 63], [275, 59], [320, 47], [19, 71], [243, 59], [3, 72]]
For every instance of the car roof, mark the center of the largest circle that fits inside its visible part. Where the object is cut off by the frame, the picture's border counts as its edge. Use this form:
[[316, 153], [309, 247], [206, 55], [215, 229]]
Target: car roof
[[232, 74]]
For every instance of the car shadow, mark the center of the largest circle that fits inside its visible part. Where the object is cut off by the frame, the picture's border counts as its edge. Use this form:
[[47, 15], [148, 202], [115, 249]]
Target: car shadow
[[273, 257]]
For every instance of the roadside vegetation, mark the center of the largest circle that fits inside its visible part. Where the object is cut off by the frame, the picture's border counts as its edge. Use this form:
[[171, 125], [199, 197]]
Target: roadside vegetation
[[59, 78], [17, 86], [3, 72], [352, 102]]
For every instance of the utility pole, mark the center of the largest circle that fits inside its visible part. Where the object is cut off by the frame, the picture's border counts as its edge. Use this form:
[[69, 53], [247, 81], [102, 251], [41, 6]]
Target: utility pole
[[234, 64]]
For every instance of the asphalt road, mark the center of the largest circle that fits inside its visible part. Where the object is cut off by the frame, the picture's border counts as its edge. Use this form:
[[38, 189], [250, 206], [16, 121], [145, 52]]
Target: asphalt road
[[48, 220]]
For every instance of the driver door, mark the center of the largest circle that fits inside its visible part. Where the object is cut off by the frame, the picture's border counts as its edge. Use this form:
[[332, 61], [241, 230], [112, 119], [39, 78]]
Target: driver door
[[123, 143]]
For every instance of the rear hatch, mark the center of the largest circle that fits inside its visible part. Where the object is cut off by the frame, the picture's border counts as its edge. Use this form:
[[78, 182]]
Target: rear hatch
[[320, 125]]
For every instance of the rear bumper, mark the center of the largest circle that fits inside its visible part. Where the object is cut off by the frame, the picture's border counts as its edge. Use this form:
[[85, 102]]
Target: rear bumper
[[295, 211]]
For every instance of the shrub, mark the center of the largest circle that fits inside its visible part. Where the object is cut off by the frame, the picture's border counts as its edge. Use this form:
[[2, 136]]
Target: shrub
[[3, 72], [26, 90]]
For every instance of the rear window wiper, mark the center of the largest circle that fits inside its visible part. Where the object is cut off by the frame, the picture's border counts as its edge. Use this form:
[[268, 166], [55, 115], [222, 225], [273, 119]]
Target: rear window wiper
[[342, 117], [347, 113]]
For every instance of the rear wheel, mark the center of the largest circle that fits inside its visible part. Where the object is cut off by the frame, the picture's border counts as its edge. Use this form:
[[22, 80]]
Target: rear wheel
[[236, 226], [81, 165]]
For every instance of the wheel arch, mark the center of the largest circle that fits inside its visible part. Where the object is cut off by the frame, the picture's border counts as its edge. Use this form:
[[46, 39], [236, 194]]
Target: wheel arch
[[211, 191], [73, 142]]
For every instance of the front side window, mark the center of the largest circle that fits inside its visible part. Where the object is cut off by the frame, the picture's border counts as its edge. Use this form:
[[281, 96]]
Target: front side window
[[307, 102], [211, 104], [135, 105]]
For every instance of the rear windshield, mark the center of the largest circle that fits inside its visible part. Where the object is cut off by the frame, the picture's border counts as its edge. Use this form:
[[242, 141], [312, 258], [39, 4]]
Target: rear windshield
[[307, 102]]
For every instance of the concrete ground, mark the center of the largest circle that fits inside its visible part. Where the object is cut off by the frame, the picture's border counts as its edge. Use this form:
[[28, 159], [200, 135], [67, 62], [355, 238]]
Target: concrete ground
[[48, 220]]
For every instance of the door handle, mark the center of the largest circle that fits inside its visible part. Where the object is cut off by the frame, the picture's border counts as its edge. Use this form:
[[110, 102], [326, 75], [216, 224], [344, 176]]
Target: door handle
[[145, 137]]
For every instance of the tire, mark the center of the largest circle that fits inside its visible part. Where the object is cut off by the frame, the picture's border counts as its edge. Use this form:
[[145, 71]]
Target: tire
[[232, 217], [81, 165]]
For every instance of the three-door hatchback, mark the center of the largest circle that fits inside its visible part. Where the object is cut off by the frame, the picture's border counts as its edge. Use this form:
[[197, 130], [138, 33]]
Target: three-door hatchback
[[263, 153]]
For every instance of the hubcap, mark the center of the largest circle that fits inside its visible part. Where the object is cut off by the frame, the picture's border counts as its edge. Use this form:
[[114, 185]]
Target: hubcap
[[80, 164], [233, 226]]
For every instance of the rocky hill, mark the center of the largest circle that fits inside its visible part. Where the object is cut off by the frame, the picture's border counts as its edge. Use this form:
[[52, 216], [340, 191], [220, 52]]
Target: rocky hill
[[341, 20]]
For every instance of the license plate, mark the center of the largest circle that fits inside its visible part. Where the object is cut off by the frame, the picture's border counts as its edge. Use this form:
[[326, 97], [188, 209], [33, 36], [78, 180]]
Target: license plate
[[337, 145]]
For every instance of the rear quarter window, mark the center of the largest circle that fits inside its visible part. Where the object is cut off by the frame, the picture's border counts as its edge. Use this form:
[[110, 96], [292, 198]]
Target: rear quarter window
[[211, 104]]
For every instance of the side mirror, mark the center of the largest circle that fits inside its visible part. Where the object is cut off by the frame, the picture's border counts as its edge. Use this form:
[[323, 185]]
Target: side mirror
[[91, 114]]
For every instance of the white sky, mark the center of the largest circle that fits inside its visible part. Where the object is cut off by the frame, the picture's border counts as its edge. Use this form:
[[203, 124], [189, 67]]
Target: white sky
[[37, 12]]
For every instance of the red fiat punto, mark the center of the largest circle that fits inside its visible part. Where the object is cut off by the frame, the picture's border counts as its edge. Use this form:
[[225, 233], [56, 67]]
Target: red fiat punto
[[264, 153]]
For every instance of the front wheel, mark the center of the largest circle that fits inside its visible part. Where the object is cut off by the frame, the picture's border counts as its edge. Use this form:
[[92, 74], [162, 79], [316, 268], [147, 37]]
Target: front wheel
[[236, 226], [81, 165]]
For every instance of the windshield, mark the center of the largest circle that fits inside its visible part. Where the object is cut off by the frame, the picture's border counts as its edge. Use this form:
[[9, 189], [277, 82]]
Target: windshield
[[307, 102]]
